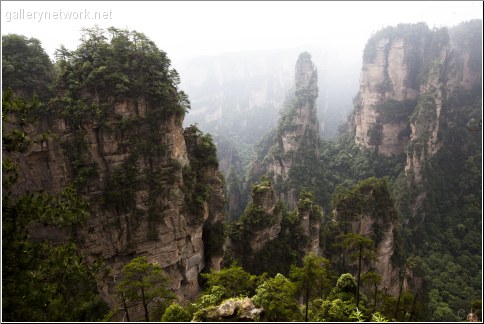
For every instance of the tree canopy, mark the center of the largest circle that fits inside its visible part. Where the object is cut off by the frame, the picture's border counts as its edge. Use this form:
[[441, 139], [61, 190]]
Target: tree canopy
[[143, 282]]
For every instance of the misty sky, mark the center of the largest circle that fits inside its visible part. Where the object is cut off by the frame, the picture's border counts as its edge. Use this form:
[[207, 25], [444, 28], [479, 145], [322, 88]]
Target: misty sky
[[188, 29]]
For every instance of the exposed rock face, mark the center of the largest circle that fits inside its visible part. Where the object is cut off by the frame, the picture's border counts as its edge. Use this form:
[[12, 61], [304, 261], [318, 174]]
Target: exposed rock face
[[298, 127], [266, 226], [389, 76], [408, 73], [457, 69], [412, 82], [153, 217], [365, 226], [263, 199], [369, 211], [233, 310], [310, 216]]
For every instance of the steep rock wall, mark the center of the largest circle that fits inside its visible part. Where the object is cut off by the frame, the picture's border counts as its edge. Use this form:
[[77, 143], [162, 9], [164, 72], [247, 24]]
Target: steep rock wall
[[391, 64], [139, 203], [368, 210], [408, 73], [298, 127]]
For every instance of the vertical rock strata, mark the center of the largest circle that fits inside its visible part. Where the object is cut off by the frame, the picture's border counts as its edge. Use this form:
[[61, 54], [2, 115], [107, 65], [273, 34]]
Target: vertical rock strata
[[298, 128], [152, 189], [409, 73]]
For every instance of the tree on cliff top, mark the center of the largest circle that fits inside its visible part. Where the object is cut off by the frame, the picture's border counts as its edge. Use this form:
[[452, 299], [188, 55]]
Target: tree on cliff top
[[115, 64], [26, 68]]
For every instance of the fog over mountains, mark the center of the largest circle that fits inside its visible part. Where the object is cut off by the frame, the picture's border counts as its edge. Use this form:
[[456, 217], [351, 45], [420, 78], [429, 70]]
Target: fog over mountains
[[242, 92]]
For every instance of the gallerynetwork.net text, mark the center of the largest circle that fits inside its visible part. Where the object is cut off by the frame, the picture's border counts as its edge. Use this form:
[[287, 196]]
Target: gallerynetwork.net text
[[40, 16]]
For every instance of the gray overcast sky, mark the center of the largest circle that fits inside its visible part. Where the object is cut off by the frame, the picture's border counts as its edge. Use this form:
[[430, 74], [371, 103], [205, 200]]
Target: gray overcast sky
[[186, 29]]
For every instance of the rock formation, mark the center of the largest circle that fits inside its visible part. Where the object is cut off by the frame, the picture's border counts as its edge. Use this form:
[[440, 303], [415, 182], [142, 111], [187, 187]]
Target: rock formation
[[310, 216], [413, 83], [260, 223], [266, 226], [408, 74], [171, 237], [230, 310], [298, 130], [153, 187], [368, 210]]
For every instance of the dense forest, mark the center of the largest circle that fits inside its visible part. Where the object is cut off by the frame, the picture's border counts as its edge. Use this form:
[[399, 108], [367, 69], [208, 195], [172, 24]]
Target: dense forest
[[112, 211]]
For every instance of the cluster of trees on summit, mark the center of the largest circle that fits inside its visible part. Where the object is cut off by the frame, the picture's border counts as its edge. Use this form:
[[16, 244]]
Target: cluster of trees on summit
[[49, 281]]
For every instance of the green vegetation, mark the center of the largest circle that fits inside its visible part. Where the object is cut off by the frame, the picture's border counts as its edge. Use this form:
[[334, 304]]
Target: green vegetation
[[311, 275], [256, 217], [365, 248], [412, 33], [374, 279], [438, 251], [17, 113], [448, 242], [143, 283], [119, 60], [43, 281], [26, 68], [234, 280], [276, 296], [203, 156], [214, 237], [176, 313], [277, 255], [368, 196], [392, 111]]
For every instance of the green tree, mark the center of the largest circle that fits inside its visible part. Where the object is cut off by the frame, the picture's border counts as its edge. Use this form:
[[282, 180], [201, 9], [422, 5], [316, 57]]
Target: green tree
[[116, 64], [335, 310], [235, 280], [212, 297], [340, 303], [309, 277], [403, 273], [42, 281], [363, 247], [26, 68], [374, 279], [176, 313], [143, 282], [277, 297]]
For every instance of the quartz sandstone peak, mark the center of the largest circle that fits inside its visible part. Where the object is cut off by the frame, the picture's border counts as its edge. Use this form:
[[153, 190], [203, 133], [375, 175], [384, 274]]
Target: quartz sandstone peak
[[298, 127], [155, 217], [404, 68]]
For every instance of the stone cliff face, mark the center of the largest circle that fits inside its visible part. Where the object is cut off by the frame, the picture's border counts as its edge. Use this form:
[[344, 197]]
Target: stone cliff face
[[390, 79], [310, 216], [266, 225], [152, 188], [263, 198], [260, 224], [113, 129], [368, 210], [298, 128], [408, 74], [457, 70]]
